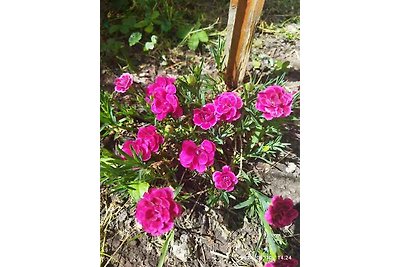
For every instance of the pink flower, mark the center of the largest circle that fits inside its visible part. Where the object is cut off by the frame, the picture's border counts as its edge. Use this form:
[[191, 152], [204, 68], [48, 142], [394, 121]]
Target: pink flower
[[147, 141], [196, 157], [225, 180], [162, 82], [161, 95], [280, 212], [274, 102], [156, 211], [149, 134], [140, 147], [227, 106], [205, 116], [283, 263], [123, 82]]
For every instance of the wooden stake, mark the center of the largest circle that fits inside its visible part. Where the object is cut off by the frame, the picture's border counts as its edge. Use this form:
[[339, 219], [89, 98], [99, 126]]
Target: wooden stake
[[243, 18]]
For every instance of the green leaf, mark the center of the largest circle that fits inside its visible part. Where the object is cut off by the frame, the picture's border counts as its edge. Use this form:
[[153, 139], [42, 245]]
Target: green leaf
[[164, 248], [193, 42], [149, 28], [203, 37], [177, 190], [183, 31], [243, 204], [138, 189], [135, 38], [129, 21], [225, 198], [150, 45], [263, 199], [155, 15], [142, 23], [272, 247]]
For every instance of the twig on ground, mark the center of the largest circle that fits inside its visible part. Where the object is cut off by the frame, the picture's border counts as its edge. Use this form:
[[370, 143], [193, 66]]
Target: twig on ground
[[219, 254], [123, 241]]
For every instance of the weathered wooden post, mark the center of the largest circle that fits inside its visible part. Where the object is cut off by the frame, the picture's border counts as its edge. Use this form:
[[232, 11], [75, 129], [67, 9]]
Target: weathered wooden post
[[243, 18]]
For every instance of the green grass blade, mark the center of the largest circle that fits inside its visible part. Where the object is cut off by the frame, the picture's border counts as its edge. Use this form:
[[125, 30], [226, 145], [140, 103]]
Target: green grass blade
[[164, 248]]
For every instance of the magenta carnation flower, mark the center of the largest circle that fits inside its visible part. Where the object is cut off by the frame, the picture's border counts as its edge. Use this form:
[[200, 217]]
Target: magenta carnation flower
[[205, 116], [274, 102], [280, 212], [196, 157], [140, 147], [156, 211], [161, 95], [151, 137], [227, 106], [283, 263], [147, 141], [225, 180], [123, 82]]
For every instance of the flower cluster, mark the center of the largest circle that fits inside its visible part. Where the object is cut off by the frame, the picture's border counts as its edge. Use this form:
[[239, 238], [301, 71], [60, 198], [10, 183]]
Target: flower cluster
[[123, 82], [274, 102], [225, 180], [225, 108], [283, 263], [147, 141], [196, 157], [280, 212], [156, 211], [161, 95]]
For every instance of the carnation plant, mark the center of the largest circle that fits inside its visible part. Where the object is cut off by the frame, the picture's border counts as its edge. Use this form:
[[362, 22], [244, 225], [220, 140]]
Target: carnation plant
[[193, 128]]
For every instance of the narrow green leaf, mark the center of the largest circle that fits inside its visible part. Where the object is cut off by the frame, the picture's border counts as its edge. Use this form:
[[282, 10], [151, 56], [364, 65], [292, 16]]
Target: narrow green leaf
[[177, 190], [245, 203], [272, 247], [164, 248]]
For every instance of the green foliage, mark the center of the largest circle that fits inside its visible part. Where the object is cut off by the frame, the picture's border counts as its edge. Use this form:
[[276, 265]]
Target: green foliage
[[137, 23], [194, 35], [217, 52]]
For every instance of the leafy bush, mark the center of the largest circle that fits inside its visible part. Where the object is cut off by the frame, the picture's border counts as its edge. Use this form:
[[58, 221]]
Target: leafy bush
[[141, 23], [193, 127]]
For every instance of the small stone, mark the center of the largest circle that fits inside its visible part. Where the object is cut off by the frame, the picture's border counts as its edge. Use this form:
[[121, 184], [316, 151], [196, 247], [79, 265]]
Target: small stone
[[290, 168], [181, 251]]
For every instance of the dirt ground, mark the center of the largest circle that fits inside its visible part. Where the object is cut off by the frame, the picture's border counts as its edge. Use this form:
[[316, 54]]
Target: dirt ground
[[203, 236]]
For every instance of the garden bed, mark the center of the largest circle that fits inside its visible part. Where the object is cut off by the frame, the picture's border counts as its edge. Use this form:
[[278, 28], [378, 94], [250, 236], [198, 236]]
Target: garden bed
[[204, 235]]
